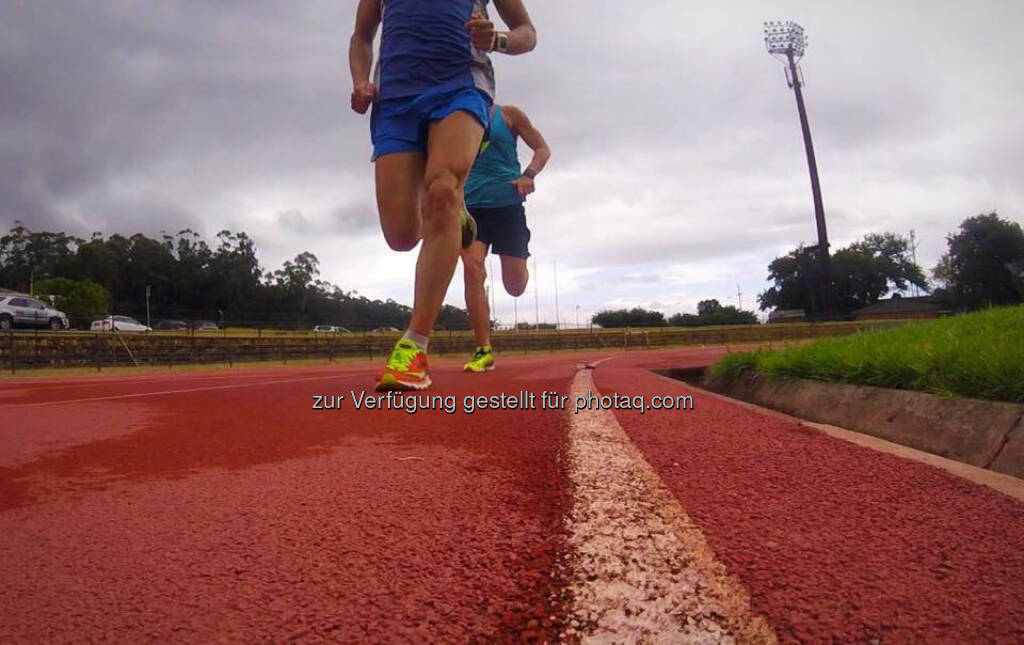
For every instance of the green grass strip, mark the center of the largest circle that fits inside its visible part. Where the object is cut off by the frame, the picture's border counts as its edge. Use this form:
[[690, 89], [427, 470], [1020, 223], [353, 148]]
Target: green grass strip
[[978, 355]]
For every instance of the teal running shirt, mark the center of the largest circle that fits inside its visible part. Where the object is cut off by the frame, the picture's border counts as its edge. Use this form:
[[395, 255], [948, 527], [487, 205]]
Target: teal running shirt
[[489, 184]]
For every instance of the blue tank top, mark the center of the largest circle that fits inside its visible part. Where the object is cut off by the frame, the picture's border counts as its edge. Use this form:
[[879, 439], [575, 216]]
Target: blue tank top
[[489, 184], [425, 46]]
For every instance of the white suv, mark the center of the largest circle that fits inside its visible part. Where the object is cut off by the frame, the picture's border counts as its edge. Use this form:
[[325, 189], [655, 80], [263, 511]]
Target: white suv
[[22, 311]]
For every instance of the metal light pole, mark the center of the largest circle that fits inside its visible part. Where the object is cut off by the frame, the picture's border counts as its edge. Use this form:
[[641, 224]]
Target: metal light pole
[[536, 297], [557, 321], [787, 42], [494, 297]]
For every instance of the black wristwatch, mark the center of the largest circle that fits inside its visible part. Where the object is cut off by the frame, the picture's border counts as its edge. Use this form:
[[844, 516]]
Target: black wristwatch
[[530, 172]]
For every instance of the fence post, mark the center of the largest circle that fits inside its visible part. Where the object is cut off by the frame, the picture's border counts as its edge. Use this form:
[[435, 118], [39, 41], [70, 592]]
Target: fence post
[[14, 351]]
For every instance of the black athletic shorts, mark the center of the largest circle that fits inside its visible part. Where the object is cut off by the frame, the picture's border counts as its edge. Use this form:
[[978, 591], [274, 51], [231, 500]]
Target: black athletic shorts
[[503, 229]]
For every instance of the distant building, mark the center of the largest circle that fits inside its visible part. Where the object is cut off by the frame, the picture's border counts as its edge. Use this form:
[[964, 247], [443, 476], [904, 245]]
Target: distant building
[[787, 316], [899, 307]]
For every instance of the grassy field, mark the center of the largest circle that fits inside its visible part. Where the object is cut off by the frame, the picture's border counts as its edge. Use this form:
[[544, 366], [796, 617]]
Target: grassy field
[[978, 355]]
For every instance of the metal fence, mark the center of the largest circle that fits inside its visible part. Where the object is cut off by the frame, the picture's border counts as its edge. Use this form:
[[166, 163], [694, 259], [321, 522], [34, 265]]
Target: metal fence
[[38, 349]]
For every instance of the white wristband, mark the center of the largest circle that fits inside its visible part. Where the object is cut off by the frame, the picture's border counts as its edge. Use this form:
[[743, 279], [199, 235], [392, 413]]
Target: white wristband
[[501, 41]]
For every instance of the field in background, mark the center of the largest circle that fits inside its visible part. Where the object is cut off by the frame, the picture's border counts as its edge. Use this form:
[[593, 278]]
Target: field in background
[[21, 350], [978, 355]]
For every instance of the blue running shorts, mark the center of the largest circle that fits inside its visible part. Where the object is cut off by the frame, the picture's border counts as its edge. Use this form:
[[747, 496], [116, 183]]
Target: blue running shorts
[[402, 124]]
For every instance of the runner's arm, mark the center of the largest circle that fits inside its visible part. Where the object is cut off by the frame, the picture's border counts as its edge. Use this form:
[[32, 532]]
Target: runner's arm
[[531, 136], [521, 125], [520, 38], [360, 54]]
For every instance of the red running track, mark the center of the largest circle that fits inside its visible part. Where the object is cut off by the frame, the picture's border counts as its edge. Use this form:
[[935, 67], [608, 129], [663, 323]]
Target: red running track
[[836, 542], [200, 506], [195, 506]]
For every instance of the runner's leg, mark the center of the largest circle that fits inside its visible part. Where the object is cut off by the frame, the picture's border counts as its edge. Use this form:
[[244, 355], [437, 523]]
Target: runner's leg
[[452, 146], [475, 276], [514, 274], [399, 178]]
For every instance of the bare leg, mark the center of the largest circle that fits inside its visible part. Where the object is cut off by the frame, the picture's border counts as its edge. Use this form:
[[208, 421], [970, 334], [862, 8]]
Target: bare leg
[[475, 274], [514, 274], [399, 194], [453, 144]]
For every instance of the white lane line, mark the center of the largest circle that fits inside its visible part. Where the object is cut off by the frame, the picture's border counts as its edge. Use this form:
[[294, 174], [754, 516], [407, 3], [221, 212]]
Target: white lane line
[[139, 395], [641, 570]]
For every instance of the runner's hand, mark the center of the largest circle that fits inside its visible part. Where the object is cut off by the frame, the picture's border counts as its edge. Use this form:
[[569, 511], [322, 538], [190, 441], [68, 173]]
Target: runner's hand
[[362, 96], [524, 185], [481, 32]]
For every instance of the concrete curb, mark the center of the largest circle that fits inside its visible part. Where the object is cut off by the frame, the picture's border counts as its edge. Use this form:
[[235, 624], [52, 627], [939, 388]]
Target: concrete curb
[[986, 434]]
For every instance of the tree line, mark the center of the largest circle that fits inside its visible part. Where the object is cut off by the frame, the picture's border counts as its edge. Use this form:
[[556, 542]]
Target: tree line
[[188, 279], [709, 312], [982, 267]]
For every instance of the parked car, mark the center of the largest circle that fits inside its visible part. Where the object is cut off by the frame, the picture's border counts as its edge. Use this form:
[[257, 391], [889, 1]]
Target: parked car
[[176, 325], [22, 311], [205, 325], [118, 323], [331, 329], [385, 330]]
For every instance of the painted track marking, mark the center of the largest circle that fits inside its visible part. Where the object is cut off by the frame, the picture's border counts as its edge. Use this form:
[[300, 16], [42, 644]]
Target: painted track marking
[[641, 570], [137, 395]]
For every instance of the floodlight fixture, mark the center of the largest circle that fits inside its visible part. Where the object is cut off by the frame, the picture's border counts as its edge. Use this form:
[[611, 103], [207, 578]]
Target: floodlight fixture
[[785, 38]]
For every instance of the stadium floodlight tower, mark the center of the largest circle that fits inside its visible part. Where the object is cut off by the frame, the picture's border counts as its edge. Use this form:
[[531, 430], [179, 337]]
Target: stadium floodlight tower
[[786, 41]]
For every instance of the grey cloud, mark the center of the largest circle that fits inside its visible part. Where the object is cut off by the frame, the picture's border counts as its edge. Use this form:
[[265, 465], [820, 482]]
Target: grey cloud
[[128, 116]]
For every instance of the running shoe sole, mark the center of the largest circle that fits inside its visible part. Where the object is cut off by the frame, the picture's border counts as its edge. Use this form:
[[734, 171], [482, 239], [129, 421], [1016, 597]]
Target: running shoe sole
[[388, 383]]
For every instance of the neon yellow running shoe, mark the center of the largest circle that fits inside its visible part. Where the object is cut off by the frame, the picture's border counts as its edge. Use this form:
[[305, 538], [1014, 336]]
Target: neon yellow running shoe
[[483, 360], [406, 369], [468, 228]]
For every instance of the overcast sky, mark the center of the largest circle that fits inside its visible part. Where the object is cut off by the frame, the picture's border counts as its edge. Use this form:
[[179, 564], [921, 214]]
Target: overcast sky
[[678, 169]]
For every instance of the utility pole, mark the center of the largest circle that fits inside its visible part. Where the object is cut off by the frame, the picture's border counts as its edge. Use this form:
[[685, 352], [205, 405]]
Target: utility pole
[[787, 39], [536, 297], [739, 297], [913, 256], [494, 306], [148, 289], [557, 320]]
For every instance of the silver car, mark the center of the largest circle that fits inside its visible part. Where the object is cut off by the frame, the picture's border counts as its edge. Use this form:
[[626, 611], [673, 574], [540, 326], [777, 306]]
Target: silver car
[[118, 323], [331, 329], [22, 311]]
